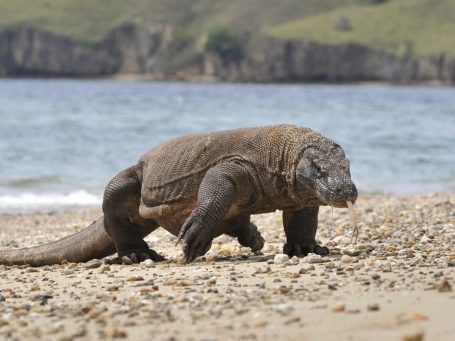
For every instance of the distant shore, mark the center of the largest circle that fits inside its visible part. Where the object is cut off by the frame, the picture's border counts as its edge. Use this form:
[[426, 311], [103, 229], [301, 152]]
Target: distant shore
[[131, 49], [397, 283]]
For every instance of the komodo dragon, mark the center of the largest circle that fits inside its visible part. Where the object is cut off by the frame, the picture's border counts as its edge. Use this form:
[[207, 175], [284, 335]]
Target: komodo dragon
[[200, 186]]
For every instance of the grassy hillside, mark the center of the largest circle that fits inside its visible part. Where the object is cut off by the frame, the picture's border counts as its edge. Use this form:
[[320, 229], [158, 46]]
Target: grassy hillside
[[422, 27], [398, 26], [90, 20]]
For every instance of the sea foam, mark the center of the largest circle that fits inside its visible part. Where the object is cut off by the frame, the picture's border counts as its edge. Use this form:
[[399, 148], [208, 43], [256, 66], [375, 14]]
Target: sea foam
[[46, 201]]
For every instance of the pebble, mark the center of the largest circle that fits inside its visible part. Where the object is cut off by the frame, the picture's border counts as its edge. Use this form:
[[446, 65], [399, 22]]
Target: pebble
[[341, 240], [115, 333], [373, 307], [126, 260], [29, 270], [104, 268], [93, 264], [351, 252], [294, 260], [347, 259], [148, 263], [417, 336], [134, 278], [445, 286], [307, 267], [313, 259], [281, 258], [451, 263], [339, 307], [419, 317]]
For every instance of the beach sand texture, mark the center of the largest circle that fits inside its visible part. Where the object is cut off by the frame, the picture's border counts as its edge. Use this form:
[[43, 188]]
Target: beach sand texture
[[397, 283]]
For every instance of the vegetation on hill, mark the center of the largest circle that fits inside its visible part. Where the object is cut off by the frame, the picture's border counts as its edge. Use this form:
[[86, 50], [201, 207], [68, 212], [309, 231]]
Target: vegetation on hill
[[234, 40], [399, 26], [420, 27], [90, 20]]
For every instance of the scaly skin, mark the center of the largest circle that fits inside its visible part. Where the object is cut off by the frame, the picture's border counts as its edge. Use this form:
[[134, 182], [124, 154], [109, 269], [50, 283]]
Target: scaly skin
[[201, 186]]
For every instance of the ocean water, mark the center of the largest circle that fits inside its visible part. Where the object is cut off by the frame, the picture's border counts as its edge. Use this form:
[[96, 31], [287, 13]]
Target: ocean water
[[61, 141]]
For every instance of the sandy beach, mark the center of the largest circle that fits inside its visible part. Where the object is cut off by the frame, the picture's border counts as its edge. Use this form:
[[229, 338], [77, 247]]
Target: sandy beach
[[396, 283]]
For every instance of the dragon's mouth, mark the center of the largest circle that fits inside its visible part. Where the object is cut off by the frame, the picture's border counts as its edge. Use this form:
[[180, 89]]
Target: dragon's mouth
[[337, 199]]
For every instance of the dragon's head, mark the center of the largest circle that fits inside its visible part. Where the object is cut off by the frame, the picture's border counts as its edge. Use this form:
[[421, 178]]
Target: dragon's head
[[324, 170]]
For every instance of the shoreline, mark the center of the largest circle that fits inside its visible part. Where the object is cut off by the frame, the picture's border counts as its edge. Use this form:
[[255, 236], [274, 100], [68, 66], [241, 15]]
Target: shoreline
[[144, 78], [81, 208], [397, 283]]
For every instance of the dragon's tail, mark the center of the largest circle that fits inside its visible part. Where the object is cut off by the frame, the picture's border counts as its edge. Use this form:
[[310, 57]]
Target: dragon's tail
[[92, 242]]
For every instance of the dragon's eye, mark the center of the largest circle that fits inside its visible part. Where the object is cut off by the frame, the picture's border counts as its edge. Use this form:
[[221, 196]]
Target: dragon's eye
[[318, 166]]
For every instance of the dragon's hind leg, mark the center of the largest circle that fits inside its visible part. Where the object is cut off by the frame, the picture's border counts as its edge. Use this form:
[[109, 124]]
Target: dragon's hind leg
[[245, 231], [122, 220]]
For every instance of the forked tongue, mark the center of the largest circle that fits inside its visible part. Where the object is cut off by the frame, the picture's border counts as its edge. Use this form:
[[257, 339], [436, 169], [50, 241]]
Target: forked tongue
[[355, 227]]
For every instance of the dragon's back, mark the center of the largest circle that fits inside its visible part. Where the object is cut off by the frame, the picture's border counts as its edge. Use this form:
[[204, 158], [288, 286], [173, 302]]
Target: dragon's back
[[174, 170]]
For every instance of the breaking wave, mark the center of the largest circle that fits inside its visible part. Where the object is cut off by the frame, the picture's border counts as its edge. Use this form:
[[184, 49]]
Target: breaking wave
[[43, 201]]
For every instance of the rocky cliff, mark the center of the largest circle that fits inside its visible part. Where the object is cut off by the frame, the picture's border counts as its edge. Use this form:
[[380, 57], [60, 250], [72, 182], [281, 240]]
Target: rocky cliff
[[156, 53]]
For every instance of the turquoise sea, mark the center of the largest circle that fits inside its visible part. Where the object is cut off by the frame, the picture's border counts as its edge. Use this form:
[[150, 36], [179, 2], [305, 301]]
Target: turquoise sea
[[62, 140]]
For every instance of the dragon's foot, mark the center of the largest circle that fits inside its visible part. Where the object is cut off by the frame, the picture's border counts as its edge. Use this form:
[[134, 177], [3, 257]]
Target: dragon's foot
[[197, 238], [251, 237], [304, 248], [140, 254]]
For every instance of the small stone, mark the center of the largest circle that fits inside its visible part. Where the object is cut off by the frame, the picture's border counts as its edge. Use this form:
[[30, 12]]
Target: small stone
[[294, 260], [148, 263], [341, 240], [386, 267], [313, 258], [2, 298], [339, 307], [31, 270], [104, 268], [81, 330], [281, 258], [126, 260], [419, 317], [284, 289], [351, 252], [418, 336], [347, 259], [184, 283], [93, 264], [134, 278], [373, 307], [34, 287], [169, 281], [451, 263], [445, 286], [329, 265], [307, 267], [284, 308], [115, 333]]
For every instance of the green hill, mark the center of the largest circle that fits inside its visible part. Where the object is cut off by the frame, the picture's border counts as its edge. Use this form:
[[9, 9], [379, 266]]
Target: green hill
[[397, 26], [421, 27], [233, 40], [90, 20]]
